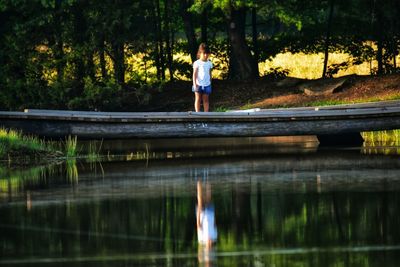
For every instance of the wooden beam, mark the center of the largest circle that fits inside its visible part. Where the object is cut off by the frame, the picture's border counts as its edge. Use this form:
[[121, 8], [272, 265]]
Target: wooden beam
[[343, 119]]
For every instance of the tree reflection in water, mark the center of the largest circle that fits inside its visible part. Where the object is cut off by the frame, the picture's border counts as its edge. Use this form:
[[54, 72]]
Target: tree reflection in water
[[325, 209]]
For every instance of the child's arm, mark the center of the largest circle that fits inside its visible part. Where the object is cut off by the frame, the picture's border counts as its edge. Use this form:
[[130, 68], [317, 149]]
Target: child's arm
[[195, 70], [211, 68]]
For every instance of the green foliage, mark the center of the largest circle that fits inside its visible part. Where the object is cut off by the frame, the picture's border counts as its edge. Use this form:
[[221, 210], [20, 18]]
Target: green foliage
[[183, 68], [276, 73], [15, 143], [335, 68], [220, 51], [74, 54], [97, 96], [94, 149], [321, 103], [221, 109], [71, 146]]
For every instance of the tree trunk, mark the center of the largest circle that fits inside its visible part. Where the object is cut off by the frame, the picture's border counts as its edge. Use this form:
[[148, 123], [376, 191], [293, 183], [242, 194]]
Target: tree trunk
[[168, 39], [204, 25], [79, 43], [242, 64], [328, 37], [160, 44], [119, 64], [254, 33], [189, 28], [156, 46], [102, 58], [91, 68], [379, 34], [59, 45]]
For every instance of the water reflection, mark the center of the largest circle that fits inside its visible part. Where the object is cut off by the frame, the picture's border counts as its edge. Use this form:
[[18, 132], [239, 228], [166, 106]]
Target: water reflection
[[331, 208], [205, 222]]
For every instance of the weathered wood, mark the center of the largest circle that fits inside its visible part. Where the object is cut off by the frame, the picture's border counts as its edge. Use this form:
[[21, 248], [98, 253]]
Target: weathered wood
[[380, 104], [281, 122], [85, 129]]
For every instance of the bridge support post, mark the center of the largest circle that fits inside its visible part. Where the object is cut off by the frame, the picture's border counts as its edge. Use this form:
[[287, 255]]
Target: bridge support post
[[344, 139]]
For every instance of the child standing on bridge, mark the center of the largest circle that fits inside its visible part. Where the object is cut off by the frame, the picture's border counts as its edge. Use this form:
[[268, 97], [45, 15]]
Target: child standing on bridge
[[202, 78]]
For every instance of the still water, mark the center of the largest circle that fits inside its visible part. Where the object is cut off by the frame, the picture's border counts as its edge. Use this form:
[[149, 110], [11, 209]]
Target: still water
[[254, 202]]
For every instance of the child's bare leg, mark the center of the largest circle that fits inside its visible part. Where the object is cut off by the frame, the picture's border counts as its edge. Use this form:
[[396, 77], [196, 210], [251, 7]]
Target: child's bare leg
[[199, 203], [197, 101], [205, 103]]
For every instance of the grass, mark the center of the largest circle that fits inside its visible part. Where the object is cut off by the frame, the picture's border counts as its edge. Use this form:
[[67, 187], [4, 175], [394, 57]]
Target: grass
[[382, 142], [71, 146], [14, 143], [94, 150], [395, 96], [382, 138], [15, 146], [220, 109], [320, 103], [73, 149], [331, 102], [72, 170], [309, 66]]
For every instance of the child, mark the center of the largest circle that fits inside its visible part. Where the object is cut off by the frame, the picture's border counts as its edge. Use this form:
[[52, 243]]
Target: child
[[207, 233], [202, 78]]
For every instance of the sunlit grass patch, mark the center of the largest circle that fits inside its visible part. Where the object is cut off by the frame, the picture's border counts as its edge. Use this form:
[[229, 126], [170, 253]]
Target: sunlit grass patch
[[310, 66], [320, 103], [71, 146], [386, 138], [382, 142], [14, 142]]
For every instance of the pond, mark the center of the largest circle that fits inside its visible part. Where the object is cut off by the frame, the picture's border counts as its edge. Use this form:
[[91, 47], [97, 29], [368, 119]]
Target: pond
[[250, 201]]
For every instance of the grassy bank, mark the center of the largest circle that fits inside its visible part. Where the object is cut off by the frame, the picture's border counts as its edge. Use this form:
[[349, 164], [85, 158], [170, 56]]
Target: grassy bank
[[22, 149], [14, 144]]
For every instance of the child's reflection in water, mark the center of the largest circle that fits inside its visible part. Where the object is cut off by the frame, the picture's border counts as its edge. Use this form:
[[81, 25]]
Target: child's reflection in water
[[206, 226]]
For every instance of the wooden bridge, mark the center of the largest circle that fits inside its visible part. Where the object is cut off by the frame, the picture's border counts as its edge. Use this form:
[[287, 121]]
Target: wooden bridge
[[330, 123]]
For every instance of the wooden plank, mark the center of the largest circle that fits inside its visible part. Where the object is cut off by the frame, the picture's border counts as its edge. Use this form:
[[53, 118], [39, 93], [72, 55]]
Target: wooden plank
[[390, 103], [277, 122], [288, 112], [209, 116], [295, 112], [111, 130]]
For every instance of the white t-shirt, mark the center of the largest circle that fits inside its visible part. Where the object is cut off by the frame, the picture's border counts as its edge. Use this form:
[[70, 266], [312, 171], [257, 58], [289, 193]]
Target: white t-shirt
[[208, 230], [203, 72]]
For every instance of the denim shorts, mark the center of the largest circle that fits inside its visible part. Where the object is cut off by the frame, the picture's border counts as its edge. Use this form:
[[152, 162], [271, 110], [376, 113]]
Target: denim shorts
[[202, 89]]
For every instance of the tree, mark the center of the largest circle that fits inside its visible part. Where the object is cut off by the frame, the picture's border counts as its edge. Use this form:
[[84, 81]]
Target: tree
[[242, 63]]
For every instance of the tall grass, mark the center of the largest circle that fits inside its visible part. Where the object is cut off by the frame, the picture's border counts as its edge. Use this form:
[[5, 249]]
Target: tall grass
[[94, 150], [309, 66], [14, 142], [71, 146], [75, 149], [72, 170], [382, 138], [382, 142]]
